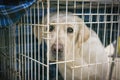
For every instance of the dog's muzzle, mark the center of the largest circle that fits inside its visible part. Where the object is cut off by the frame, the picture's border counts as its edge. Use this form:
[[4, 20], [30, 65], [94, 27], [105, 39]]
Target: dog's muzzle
[[57, 51], [57, 48]]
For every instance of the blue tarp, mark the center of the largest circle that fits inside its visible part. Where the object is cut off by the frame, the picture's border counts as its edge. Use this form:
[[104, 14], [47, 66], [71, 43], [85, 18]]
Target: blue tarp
[[12, 10]]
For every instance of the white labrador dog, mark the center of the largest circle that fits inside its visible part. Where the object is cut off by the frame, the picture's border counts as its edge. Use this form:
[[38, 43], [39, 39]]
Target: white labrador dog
[[77, 48]]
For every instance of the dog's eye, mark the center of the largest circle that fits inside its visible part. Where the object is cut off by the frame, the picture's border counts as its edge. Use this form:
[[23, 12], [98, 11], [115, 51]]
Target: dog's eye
[[51, 28], [69, 30]]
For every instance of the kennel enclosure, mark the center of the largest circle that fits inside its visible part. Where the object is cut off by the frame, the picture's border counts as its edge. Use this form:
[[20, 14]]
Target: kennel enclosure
[[24, 53]]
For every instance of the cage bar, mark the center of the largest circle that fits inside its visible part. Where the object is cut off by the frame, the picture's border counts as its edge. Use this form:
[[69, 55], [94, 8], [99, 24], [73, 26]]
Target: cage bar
[[25, 48]]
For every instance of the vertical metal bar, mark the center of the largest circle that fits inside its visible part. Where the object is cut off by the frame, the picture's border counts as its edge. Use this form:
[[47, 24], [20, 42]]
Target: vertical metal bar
[[111, 29], [105, 16], [73, 70], [38, 12], [6, 46], [14, 52], [9, 75], [19, 61], [48, 20], [31, 44], [13, 48], [34, 15], [21, 48], [25, 46], [66, 39], [43, 11], [98, 17], [104, 37], [11, 54], [82, 39], [90, 20], [57, 38], [2, 45], [2, 49]]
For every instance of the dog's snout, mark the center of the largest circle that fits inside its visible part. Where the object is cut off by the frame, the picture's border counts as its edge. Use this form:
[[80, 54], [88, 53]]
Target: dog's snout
[[57, 48]]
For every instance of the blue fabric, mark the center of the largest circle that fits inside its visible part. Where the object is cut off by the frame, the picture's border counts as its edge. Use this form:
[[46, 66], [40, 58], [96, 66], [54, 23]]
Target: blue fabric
[[12, 10]]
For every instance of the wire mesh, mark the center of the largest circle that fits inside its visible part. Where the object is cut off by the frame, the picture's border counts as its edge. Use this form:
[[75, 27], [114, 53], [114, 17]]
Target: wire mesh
[[43, 45]]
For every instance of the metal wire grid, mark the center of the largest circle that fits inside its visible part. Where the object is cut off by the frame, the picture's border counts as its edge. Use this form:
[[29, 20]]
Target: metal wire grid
[[7, 53], [28, 53]]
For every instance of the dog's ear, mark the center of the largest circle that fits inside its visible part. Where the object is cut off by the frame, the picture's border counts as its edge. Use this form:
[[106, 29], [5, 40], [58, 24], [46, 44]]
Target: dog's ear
[[83, 34]]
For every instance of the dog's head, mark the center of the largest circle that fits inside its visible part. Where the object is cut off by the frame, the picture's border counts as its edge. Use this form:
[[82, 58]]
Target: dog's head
[[67, 32]]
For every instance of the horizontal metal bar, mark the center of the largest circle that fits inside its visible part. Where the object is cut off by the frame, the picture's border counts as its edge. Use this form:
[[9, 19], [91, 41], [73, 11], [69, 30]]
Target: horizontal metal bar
[[61, 62], [33, 60]]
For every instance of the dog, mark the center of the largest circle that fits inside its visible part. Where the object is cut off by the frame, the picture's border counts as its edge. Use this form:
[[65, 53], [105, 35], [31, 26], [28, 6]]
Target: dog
[[76, 48]]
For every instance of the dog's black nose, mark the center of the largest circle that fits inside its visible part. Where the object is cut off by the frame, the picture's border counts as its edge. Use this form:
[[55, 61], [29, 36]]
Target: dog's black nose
[[57, 48]]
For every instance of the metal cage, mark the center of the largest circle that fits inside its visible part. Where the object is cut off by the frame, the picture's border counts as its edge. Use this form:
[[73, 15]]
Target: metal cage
[[24, 53]]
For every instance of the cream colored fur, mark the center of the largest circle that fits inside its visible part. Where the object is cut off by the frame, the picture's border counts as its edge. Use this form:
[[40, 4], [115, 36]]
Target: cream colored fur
[[83, 54]]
